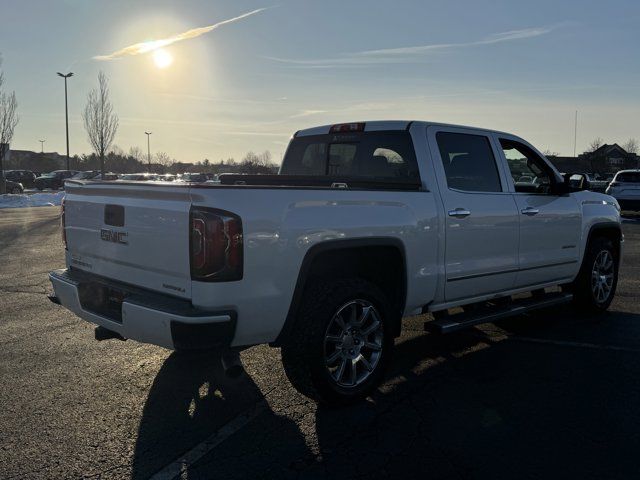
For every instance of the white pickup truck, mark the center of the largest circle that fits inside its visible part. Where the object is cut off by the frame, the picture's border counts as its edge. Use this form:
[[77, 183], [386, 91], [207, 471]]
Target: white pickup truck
[[364, 224]]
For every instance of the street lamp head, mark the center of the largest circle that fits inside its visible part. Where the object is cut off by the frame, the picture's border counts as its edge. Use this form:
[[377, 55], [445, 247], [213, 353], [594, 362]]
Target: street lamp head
[[148, 133], [70, 74]]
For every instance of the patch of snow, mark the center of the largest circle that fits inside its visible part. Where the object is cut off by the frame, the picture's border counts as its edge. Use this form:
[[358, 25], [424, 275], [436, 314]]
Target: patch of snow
[[34, 200]]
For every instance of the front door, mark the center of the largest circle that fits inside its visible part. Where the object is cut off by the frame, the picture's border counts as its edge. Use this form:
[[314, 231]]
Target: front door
[[550, 222], [481, 226]]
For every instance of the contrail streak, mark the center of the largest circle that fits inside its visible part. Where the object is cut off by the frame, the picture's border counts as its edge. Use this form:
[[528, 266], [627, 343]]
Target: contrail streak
[[145, 47]]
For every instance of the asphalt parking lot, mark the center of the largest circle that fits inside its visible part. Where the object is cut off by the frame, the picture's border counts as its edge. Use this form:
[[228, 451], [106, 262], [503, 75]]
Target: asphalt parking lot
[[547, 395]]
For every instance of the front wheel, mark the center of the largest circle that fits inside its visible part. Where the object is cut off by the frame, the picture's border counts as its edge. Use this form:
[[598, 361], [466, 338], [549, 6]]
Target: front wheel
[[595, 286], [341, 342], [16, 191]]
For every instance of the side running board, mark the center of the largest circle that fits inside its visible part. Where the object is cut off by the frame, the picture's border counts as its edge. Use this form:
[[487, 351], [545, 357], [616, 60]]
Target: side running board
[[491, 313]]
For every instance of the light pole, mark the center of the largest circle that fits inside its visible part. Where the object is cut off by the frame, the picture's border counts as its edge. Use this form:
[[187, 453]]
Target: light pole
[[148, 149], [42, 145], [66, 110]]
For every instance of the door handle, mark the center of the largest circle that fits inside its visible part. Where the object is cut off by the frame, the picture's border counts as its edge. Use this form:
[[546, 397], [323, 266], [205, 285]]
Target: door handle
[[530, 211], [459, 213]]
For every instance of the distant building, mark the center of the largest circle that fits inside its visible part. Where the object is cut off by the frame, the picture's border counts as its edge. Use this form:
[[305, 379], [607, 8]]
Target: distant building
[[36, 161], [609, 159], [605, 159], [567, 164]]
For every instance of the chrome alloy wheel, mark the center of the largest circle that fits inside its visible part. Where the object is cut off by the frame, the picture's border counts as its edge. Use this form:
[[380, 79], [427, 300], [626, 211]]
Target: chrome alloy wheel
[[602, 276], [353, 343]]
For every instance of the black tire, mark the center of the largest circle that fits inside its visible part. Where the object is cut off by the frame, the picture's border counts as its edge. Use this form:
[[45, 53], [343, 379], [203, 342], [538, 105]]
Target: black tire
[[39, 188], [304, 352], [16, 191], [586, 298]]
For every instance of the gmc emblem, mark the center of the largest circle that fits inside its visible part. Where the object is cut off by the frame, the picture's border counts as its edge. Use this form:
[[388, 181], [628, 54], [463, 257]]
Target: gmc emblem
[[114, 236]]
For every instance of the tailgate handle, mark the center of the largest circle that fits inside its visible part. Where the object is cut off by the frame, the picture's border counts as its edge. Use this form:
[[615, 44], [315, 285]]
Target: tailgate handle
[[114, 215]]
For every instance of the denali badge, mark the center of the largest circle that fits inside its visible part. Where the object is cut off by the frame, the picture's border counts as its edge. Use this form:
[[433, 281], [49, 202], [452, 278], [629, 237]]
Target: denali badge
[[114, 236]]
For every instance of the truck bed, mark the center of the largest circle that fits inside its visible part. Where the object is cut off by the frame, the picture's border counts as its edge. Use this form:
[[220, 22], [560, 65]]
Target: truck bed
[[321, 181]]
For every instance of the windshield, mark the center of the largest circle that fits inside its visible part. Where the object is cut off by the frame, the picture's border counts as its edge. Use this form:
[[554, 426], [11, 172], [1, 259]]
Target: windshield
[[380, 154], [628, 177]]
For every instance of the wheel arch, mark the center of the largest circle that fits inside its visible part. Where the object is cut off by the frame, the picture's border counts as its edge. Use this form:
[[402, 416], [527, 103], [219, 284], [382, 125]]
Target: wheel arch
[[367, 258], [610, 230]]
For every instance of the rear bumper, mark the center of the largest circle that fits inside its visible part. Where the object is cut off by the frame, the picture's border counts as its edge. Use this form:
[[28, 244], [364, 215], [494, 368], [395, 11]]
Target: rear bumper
[[144, 316]]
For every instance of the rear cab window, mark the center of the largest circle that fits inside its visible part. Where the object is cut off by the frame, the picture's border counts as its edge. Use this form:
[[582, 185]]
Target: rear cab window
[[364, 155]]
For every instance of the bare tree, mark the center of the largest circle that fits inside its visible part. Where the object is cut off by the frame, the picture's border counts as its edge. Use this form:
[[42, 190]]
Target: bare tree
[[631, 145], [595, 144], [164, 159], [136, 153], [8, 121], [100, 122]]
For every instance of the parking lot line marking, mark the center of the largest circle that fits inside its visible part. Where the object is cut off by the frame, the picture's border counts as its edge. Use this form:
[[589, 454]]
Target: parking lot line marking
[[182, 463], [566, 343]]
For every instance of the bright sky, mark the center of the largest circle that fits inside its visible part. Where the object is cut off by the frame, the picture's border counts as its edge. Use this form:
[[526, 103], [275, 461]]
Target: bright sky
[[214, 91]]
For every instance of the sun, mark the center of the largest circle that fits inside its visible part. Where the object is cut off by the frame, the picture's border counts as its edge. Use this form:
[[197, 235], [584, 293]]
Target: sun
[[162, 58]]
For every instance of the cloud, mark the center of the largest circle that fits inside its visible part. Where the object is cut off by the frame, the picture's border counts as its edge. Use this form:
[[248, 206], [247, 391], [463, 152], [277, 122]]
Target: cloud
[[148, 46], [412, 54], [307, 113], [495, 38]]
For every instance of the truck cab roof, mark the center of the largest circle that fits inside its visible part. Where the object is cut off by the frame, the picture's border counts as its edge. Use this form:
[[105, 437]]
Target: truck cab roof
[[380, 125]]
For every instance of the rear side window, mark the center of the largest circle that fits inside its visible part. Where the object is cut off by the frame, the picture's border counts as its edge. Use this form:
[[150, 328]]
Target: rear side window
[[468, 162], [628, 177], [384, 154]]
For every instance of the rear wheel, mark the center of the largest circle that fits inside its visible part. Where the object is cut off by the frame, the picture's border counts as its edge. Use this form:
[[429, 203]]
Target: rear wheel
[[341, 342], [595, 286], [16, 190]]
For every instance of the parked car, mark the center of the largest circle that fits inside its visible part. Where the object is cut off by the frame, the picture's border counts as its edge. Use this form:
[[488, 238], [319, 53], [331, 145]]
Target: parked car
[[197, 177], [167, 177], [364, 224], [54, 180], [14, 187], [86, 175], [625, 188], [138, 177], [25, 177], [596, 182], [109, 176]]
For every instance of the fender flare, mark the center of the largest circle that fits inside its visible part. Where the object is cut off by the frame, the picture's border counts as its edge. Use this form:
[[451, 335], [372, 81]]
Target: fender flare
[[335, 245]]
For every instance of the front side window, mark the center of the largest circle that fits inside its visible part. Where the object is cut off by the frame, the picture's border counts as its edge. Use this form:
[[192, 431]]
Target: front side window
[[529, 172], [468, 161]]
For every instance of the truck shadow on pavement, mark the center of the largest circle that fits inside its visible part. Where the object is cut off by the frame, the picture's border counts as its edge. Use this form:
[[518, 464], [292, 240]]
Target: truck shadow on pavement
[[190, 399], [473, 404]]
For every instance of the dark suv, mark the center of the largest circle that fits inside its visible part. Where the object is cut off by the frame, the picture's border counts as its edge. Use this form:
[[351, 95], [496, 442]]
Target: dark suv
[[14, 187], [54, 180], [25, 177]]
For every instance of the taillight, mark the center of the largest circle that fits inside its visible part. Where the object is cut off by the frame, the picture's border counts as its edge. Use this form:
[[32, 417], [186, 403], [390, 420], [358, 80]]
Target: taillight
[[216, 245], [62, 224], [347, 127]]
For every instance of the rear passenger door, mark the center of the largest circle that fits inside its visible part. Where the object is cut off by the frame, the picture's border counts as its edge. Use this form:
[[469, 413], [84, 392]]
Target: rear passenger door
[[481, 218]]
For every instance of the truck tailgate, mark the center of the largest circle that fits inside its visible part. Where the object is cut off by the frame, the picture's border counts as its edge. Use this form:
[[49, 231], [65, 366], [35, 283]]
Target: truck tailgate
[[134, 233]]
